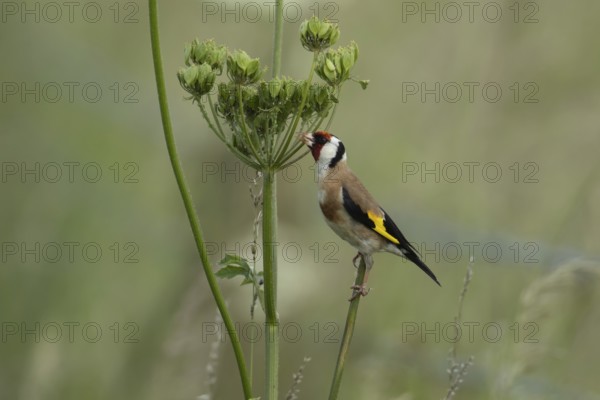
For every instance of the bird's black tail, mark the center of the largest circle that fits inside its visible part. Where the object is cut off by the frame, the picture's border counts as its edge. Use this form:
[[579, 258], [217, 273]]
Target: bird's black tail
[[414, 257]]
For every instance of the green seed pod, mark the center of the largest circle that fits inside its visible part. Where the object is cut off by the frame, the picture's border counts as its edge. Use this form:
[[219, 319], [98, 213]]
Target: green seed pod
[[289, 87], [206, 78], [218, 59], [275, 88], [242, 69], [317, 35], [190, 75], [200, 50]]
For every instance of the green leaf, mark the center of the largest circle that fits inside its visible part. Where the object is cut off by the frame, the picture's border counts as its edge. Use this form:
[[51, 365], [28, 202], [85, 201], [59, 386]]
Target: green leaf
[[247, 281], [231, 259], [234, 266], [231, 271]]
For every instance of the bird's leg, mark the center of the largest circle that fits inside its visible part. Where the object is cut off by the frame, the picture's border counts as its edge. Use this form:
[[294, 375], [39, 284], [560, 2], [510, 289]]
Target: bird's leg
[[354, 260], [362, 290]]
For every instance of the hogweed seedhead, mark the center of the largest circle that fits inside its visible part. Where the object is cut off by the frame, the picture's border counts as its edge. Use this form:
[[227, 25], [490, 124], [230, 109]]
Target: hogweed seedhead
[[197, 80], [206, 52], [317, 35], [242, 69], [334, 66], [204, 61]]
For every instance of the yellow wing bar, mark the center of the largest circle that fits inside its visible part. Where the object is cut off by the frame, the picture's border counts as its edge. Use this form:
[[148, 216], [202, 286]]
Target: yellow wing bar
[[380, 228]]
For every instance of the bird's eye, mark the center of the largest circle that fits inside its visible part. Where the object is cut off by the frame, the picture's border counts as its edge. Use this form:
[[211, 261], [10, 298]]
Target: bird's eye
[[320, 139]]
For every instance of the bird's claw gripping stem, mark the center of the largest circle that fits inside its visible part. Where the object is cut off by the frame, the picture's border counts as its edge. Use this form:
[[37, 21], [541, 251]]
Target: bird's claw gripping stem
[[359, 290]]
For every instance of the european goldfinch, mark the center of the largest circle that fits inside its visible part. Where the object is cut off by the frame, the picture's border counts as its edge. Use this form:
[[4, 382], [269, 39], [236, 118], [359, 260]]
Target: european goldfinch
[[351, 211]]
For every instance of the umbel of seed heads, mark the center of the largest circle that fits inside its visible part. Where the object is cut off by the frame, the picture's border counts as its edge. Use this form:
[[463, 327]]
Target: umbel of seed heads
[[270, 104], [257, 110]]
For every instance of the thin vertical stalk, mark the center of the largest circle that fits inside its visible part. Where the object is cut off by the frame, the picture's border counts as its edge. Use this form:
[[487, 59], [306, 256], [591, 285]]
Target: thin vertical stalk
[[188, 202], [269, 233], [347, 338], [270, 239], [278, 38]]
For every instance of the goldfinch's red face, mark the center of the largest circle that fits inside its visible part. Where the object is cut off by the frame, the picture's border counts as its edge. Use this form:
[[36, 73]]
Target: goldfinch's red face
[[315, 142], [323, 146]]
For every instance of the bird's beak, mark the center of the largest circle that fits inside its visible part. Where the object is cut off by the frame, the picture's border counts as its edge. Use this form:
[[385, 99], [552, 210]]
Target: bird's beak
[[306, 138]]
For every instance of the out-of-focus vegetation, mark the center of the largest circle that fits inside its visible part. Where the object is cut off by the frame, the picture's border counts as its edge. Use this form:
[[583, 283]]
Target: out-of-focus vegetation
[[532, 309]]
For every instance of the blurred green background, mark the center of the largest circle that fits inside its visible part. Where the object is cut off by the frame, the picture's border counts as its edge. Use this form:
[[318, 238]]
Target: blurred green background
[[101, 291]]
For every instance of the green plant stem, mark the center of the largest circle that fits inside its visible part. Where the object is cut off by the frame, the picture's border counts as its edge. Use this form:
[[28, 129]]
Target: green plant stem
[[268, 143], [187, 199], [281, 153], [279, 140], [292, 152], [335, 106], [214, 114], [210, 124], [269, 237], [295, 160], [278, 38], [347, 338], [245, 129]]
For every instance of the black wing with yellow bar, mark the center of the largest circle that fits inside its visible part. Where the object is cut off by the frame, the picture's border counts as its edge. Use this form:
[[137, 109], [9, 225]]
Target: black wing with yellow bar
[[385, 227]]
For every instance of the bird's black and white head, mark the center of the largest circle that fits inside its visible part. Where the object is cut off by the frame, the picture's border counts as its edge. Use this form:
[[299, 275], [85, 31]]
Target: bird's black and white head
[[326, 149]]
